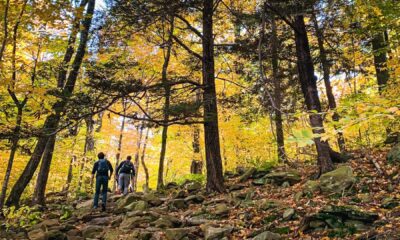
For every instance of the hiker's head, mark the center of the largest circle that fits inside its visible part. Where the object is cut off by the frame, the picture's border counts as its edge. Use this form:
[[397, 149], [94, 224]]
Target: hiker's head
[[101, 155], [128, 158]]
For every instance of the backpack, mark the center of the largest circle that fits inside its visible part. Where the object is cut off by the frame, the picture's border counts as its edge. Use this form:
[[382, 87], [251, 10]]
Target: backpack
[[127, 167], [102, 169]]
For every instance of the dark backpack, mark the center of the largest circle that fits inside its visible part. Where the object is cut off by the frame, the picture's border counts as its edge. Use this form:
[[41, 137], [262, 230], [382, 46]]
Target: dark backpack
[[127, 167], [102, 169]]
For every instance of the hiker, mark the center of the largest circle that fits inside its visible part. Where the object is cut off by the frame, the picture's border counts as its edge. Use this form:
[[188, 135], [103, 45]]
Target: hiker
[[124, 173], [101, 167]]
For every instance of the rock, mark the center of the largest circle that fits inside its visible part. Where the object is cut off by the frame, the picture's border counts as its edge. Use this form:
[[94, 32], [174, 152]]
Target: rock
[[259, 182], [56, 235], [236, 187], [297, 197], [390, 203], [128, 199], [176, 233], [163, 222], [101, 221], [48, 223], [229, 174], [137, 206], [247, 174], [194, 199], [177, 204], [212, 233], [180, 194], [292, 177], [193, 187], [285, 184], [288, 214], [311, 187], [393, 137], [358, 225], [393, 155], [221, 210], [171, 185], [133, 222], [266, 204], [37, 234], [152, 199], [92, 231], [74, 233], [85, 204], [336, 217], [267, 235], [337, 180]]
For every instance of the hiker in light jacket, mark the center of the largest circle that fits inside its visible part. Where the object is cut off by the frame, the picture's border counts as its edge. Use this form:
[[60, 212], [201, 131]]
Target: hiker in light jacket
[[102, 167], [125, 172]]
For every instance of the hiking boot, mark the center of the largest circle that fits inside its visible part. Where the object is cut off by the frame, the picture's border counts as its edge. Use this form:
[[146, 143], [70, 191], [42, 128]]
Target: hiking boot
[[103, 208]]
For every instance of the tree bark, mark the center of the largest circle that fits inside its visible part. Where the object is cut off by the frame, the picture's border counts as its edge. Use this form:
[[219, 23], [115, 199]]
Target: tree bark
[[41, 182], [118, 156], [146, 171], [136, 163], [280, 141], [167, 95], [326, 73], [215, 180], [4, 42], [70, 173], [88, 148], [52, 121], [380, 49], [310, 91]]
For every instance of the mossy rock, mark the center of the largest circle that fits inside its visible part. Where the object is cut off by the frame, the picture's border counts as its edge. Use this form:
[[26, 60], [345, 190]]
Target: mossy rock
[[393, 155], [291, 176], [337, 180]]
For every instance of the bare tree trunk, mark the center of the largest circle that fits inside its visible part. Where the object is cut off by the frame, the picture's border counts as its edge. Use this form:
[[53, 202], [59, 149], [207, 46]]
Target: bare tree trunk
[[4, 42], [136, 163], [88, 148], [14, 147], [167, 92], [196, 166], [326, 74], [380, 49], [118, 156], [52, 120], [310, 91], [277, 94], [215, 180], [146, 171], [70, 173], [41, 182]]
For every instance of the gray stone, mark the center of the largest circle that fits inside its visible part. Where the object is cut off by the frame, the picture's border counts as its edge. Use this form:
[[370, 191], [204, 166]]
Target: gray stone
[[193, 187], [177, 204], [176, 233], [152, 199], [92, 231], [393, 155], [212, 233], [291, 176], [37, 234], [337, 180], [267, 235], [288, 214], [247, 174], [194, 199], [220, 210], [101, 221], [311, 186]]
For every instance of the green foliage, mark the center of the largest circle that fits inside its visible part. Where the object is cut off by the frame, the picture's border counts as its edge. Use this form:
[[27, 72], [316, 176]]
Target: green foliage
[[24, 216], [66, 212], [191, 177]]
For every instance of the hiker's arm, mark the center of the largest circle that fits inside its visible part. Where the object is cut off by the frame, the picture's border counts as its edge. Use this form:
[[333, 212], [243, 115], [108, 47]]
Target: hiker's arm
[[93, 172], [111, 168], [118, 168]]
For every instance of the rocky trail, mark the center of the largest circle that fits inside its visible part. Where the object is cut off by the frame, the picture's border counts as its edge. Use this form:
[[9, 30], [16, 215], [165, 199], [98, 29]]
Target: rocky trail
[[280, 203]]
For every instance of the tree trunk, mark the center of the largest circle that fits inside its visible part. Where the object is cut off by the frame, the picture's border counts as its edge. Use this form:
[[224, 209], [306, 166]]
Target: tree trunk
[[280, 142], [326, 73], [215, 180], [380, 49], [310, 91], [118, 156], [40, 188], [4, 42], [196, 166], [146, 171], [52, 121], [70, 173], [14, 147], [88, 148], [136, 163], [167, 92]]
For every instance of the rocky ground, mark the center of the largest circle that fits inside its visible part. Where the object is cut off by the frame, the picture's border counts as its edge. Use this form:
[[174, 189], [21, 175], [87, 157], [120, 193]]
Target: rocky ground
[[356, 201]]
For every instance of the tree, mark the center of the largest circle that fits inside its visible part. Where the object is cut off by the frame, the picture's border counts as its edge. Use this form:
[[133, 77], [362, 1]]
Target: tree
[[52, 121], [215, 180]]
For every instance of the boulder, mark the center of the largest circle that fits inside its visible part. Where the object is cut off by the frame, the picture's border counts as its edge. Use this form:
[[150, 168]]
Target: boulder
[[220, 210], [171, 185], [266, 204], [194, 199], [259, 182], [337, 180], [176, 233], [177, 204], [103, 221], [56, 235], [137, 206], [213, 233], [338, 217], [133, 222], [128, 199], [288, 214], [180, 194], [193, 187], [85, 204], [236, 187], [291, 176], [267, 235], [92, 231], [246, 175], [152, 199], [163, 223], [37, 234], [311, 186], [393, 155]]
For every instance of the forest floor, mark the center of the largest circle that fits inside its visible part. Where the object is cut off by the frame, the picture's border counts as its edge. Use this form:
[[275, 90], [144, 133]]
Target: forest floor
[[258, 205]]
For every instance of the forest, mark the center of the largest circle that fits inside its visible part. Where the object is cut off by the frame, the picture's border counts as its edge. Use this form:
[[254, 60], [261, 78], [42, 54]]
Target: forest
[[253, 119]]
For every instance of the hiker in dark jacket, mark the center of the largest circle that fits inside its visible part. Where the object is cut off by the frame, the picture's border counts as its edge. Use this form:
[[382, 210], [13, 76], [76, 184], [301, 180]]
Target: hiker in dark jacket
[[102, 167], [125, 172]]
